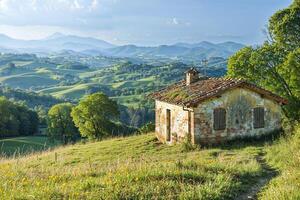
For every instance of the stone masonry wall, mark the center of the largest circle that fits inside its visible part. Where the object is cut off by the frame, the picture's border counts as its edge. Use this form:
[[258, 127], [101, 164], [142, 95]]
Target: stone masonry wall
[[179, 121], [239, 104]]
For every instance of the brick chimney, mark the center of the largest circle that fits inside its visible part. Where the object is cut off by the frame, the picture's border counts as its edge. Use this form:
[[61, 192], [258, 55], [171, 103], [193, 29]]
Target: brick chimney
[[192, 76]]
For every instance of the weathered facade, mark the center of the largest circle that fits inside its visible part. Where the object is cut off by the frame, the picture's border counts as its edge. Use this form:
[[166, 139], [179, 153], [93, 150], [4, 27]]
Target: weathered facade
[[212, 110]]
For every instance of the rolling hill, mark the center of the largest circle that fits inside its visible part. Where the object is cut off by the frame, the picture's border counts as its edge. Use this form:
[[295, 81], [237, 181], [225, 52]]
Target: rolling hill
[[139, 167], [71, 76]]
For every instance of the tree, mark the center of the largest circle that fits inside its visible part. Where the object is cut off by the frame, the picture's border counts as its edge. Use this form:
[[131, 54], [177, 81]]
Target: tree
[[16, 119], [284, 26], [240, 66], [94, 114], [9, 125], [60, 123], [34, 122], [275, 65]]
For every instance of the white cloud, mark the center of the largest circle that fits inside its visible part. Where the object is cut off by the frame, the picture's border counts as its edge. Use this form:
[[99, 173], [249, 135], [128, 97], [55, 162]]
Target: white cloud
[[94, 5], [77, 5], [47, 5], [175, 21], [4, 4], [178, 22]]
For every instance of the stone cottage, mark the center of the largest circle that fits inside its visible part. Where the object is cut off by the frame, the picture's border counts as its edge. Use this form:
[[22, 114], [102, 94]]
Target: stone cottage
[[212, 110]]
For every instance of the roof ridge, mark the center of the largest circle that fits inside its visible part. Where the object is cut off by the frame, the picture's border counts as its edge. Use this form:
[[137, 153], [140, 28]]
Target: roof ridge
[[208, 88]]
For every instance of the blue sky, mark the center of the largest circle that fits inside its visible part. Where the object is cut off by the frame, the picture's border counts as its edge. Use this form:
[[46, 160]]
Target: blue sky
[[141, 22]]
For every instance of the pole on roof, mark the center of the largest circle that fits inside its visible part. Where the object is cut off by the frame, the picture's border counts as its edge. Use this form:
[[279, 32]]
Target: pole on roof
[[204, 64]]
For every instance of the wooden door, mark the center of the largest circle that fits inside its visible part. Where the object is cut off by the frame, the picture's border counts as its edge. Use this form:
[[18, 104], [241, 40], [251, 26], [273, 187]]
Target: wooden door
[[168, 124]]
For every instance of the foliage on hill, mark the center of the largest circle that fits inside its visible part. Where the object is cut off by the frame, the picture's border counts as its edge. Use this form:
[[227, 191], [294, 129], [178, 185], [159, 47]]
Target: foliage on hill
[[75, 66], [31, 99], [93, 115], [60, 123], [275, 65], [16, 119]]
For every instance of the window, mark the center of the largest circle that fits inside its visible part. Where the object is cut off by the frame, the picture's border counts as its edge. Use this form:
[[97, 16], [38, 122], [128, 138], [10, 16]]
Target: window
[[258, 117], [219, 119]]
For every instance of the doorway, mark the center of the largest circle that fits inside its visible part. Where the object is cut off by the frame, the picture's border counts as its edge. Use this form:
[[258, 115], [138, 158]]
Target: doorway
[[168, 123]]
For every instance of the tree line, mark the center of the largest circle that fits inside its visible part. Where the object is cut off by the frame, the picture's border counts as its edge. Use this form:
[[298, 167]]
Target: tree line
[[16, 119], [94, 117]]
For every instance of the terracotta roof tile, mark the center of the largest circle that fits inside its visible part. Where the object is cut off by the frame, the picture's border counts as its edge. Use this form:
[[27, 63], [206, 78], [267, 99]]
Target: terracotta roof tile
[[181, 94]]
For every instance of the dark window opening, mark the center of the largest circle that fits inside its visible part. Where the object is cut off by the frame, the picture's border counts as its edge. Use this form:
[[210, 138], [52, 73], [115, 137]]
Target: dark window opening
[[259, 117], [219, 119], [168, 138]]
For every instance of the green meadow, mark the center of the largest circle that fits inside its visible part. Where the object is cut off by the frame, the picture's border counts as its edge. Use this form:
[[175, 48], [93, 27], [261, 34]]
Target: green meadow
[[24, 145], [139, 167]]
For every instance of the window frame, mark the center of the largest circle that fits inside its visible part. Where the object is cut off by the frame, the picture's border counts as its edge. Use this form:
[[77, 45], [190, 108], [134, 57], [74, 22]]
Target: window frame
[[259, 117], [219, 119]]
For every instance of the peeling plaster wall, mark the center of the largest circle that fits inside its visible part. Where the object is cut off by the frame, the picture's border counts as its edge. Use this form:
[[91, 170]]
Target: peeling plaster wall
[[239, 104], [179, 121]]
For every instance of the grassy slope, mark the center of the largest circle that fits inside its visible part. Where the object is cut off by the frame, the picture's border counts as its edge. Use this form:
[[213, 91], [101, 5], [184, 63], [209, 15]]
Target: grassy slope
[[23, 145], [27, 80], [285, 156], [73, 91], [129, 100], [130, 168]]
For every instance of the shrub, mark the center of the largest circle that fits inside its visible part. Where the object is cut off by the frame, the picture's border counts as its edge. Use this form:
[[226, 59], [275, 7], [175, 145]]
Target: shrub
[[147, 128], [187, 144]]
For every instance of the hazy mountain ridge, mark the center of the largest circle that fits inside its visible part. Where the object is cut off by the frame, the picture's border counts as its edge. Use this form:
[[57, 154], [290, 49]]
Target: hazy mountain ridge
[[179, 50], [55, 42], [88, 45]]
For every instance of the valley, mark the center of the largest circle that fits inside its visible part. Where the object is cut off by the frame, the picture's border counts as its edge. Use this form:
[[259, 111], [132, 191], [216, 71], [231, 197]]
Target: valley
[[65, 79]]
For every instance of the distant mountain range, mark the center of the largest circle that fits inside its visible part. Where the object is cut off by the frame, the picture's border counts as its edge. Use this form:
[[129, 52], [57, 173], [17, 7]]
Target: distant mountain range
[[92, 46], [179, 50], [54, 42]]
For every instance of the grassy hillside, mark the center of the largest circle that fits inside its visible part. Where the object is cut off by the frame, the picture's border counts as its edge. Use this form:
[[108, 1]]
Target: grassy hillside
[[23, 145], [285, 157], [131, 168]]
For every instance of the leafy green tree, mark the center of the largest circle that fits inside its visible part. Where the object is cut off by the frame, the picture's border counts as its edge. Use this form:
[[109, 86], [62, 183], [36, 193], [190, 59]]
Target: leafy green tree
[[9, 125], [240, 66], [34, 122], [60, 123], [275, 65], [284, 26], [23, 117], [16, 119], [94, 114], [42, 114]]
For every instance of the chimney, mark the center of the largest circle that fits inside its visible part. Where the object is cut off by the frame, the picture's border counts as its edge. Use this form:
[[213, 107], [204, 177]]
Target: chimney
[[192, 76]]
